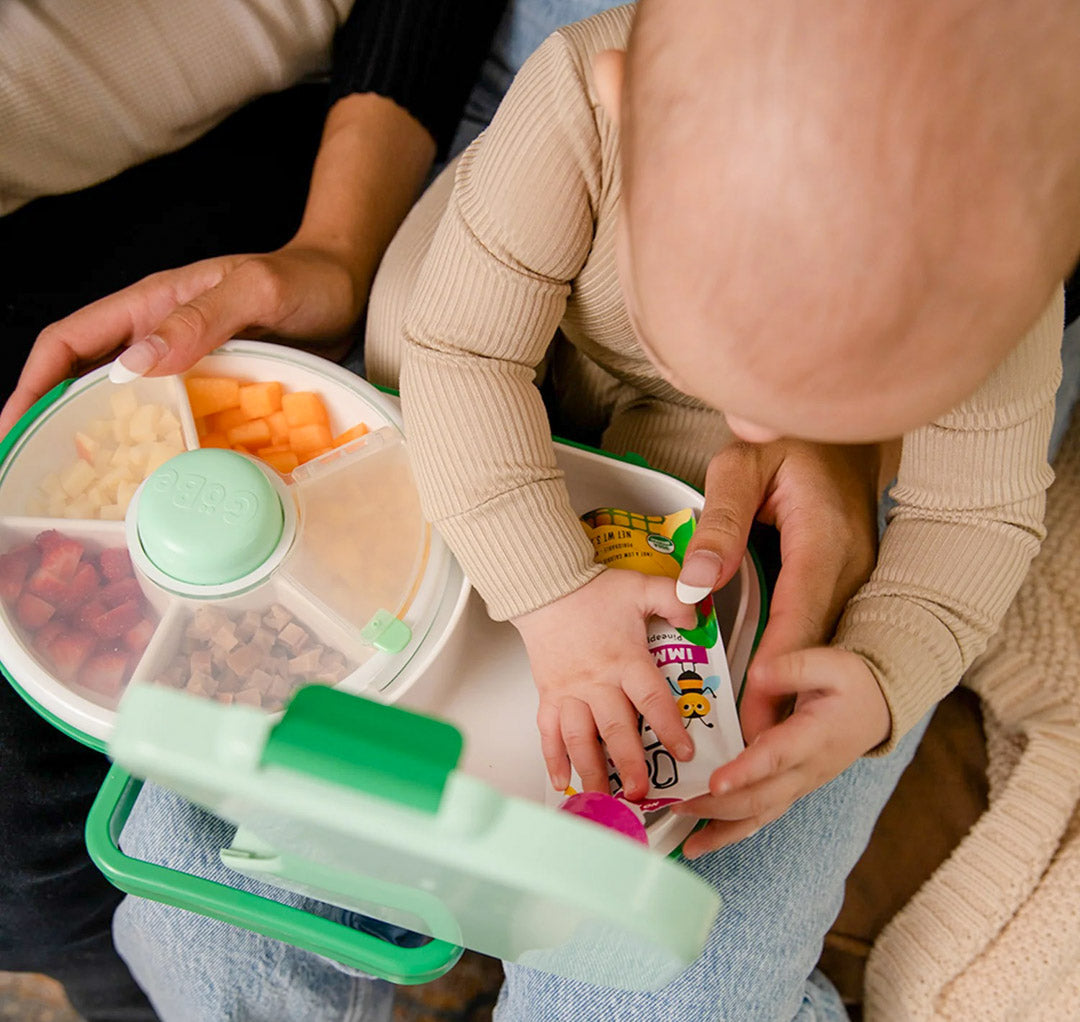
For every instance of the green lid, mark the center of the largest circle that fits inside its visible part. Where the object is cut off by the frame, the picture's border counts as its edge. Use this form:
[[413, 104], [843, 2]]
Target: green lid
[[209, 517], [362, 806]]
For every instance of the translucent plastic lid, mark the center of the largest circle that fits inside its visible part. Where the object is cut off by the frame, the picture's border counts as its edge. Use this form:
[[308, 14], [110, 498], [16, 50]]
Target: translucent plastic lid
[[363, 805]]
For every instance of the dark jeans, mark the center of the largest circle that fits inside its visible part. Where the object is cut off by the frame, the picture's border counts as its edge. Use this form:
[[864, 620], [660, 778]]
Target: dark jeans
[[241, 188]]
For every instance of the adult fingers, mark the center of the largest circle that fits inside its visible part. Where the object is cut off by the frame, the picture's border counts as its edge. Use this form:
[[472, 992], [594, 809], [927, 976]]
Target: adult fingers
[[734, 490], [93, 333], [253, 293]]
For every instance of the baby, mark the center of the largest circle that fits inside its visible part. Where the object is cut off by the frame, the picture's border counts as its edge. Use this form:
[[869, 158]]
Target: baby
[[556, 219]]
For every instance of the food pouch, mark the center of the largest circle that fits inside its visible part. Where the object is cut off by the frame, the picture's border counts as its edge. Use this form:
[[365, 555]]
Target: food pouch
[[693, 661]]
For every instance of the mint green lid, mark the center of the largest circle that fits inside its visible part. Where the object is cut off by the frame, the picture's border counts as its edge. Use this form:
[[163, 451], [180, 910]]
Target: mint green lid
[[209, 517], [363, 806]]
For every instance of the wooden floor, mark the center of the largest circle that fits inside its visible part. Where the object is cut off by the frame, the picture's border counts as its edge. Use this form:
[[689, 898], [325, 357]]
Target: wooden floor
[[466, 994]]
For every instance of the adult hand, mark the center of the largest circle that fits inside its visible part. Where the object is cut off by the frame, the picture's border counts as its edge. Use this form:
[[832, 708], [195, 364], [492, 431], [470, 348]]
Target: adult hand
[[169, 320], [823, 501]]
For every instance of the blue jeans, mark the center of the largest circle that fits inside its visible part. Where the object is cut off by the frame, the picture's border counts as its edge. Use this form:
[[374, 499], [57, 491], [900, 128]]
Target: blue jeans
[[781, 888]]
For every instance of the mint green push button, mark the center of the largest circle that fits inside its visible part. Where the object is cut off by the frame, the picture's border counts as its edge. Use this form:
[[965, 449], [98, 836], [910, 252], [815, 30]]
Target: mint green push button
[[209, 517]]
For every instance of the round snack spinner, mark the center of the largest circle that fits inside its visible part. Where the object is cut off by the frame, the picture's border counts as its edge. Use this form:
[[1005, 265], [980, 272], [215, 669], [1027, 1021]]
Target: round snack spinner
[[224, 580]]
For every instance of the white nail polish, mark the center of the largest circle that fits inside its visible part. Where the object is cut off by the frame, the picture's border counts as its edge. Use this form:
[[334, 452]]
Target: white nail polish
[[691, 595], [119, 373]]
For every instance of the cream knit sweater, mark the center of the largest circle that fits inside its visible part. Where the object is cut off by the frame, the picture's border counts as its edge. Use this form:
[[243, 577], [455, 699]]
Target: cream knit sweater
[[526, 246], [994, 934]]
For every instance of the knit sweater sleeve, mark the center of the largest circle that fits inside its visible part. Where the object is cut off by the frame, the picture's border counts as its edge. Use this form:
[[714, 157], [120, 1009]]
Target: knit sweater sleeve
[[488, 300], [425, 55], [971, 495]]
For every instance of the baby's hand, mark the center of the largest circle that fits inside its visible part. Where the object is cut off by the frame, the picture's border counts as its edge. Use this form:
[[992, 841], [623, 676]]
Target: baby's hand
[[592, 668], [840, 713]]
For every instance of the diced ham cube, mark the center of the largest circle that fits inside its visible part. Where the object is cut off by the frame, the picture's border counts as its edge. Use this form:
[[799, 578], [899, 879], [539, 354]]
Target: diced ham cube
[[293, 636]]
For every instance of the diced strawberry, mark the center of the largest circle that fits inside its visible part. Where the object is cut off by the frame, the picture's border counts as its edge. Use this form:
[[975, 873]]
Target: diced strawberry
[[138, 638], [44, 636], [46, 585], [69, 652], [85, 615], [62, 559], [84, 586], [48, 539], [115, 564], [121, 591], [14, 567], [104, 673], [114, 623], [32, 611]]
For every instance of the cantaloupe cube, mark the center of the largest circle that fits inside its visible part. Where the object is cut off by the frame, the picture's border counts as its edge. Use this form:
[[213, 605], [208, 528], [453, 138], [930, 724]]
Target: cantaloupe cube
[[202, 425], [222, 422], [359, 430], [214, 440], [260, 399], [284, 461], [251, 434], [279, 428], [311, 437], [303, 408], [209, 394], [272, 449], [312, 455]]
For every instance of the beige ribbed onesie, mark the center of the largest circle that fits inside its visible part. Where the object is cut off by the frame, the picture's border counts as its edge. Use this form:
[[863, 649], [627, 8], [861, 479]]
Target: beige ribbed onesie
[[516, 242]]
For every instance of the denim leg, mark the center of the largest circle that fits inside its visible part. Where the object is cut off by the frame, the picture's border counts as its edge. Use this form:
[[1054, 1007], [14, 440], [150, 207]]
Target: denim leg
[[196, 969], [781, 890], [525, 25]]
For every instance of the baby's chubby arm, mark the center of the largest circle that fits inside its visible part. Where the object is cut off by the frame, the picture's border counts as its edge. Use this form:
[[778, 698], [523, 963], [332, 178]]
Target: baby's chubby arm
[[594, 674]]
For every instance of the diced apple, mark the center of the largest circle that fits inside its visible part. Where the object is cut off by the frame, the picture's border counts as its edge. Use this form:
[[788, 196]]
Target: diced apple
[[77, 477], [123, 402], [124, 492], [142, 427], [112, 512], [87, 447]]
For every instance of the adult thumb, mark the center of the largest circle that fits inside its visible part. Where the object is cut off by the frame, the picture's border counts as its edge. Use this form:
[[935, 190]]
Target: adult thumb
[[192, 330], [734, 491]]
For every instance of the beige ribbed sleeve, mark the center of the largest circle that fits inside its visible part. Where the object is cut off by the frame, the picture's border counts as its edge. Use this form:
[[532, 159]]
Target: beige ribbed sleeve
[[969, 518], [489, 298]]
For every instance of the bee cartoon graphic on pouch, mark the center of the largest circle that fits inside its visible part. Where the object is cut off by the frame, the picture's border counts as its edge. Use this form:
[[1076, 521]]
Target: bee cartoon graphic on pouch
[[692, 696]]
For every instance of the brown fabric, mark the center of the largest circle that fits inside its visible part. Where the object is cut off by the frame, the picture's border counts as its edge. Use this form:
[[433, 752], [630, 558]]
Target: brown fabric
[[939, 798]]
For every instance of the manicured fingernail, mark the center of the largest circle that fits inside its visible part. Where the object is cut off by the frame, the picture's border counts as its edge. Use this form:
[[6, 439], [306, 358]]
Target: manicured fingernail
[[699, 575], [138, 360], [684, 751]]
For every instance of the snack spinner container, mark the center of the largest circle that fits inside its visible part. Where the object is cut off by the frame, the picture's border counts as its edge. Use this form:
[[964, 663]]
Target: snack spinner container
[[300, 654]]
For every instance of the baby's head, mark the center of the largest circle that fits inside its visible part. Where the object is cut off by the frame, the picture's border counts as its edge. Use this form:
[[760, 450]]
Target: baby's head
[[838, 218]]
